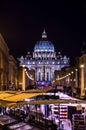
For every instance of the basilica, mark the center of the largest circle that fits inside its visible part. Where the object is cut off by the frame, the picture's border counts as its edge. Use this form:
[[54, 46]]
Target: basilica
[[44, 61]]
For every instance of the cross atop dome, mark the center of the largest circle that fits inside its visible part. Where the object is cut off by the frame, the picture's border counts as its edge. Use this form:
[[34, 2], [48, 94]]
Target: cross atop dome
[[44, 35]]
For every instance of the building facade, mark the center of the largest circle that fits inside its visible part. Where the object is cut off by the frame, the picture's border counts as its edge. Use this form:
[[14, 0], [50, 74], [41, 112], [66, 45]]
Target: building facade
[[4, 61], [13, 72], [44, 61], [7, 62]]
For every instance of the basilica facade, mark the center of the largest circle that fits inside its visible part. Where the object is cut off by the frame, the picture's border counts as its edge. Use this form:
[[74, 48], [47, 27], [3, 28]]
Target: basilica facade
[[44, 61]]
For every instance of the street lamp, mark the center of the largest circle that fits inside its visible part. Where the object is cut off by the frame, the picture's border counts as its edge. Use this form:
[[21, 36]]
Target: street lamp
[[76, 77], [23, 77], [82, 80]]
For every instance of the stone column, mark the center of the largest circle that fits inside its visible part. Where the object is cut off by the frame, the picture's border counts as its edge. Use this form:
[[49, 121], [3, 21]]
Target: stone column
[[82, 80], [41, 74], [49, 75], [44, 73]]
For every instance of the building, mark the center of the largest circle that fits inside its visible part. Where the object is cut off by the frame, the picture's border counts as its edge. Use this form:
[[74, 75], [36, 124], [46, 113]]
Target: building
[[4, 61], [13, 72], [8, 75], [44, 61]]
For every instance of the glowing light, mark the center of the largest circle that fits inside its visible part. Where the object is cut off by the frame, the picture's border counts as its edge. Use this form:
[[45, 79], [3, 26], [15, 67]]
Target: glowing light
[[60, 78], [53, 62], [82, 66], [23, 66], [76, 69], [69, 74], [28, 75]]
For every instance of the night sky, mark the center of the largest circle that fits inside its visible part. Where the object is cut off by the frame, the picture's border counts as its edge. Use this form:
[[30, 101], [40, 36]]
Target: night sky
[[22, 23]]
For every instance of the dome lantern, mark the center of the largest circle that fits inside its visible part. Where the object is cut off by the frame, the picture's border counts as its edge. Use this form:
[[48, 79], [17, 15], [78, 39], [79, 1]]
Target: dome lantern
[[44, 35]]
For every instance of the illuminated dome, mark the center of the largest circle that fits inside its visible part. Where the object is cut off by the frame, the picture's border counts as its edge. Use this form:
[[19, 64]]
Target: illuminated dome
[[44, 45]]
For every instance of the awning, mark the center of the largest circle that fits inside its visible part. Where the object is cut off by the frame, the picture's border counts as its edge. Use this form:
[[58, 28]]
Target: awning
[[21, 96], [15, 98], [4, 95], [53, 101], [12, 98]]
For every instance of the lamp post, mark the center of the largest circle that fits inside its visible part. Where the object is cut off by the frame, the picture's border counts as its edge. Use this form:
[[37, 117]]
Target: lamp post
[[76, 77], [72, 79], [82, 80], [23, 78]]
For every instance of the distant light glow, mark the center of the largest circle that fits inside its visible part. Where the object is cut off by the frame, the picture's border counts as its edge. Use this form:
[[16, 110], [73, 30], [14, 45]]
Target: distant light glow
[[23, 66], [82, 66]]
